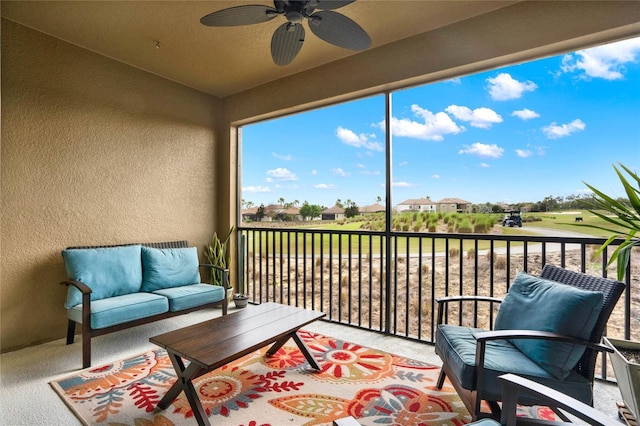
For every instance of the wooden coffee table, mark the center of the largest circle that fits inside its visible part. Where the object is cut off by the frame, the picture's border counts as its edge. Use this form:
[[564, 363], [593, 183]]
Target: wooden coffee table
[[217, 342]]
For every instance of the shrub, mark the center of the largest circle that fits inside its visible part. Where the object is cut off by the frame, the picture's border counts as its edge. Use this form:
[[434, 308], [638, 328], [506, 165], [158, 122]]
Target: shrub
[[454, 252], [465, 226], [471, 253], [501, 262]]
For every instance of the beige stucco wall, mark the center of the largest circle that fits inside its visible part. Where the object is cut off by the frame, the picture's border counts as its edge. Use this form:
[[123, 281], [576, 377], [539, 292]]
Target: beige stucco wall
[[93, 152]]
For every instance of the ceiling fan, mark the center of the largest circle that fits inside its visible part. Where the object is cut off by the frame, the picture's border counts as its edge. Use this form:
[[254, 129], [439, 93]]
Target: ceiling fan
[[286, 42]]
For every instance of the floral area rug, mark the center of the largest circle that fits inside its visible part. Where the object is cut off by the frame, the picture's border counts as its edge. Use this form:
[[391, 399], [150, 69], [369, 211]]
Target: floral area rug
[[375, 387]]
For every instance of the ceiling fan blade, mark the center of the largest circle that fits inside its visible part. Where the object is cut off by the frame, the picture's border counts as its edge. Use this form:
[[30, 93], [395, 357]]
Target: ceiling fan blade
[[286, 43], [332, 4], [337, 29], [239, 15]]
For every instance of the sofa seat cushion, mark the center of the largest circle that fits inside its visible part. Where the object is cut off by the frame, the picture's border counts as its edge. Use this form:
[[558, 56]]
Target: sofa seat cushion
[[534, 303], [190, 296], [457, 348], [169, 267], [121, 309], [108, 271]]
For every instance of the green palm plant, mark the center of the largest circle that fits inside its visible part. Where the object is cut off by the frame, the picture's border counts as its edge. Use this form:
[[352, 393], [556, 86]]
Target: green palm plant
[[625, 218], [218, 254]]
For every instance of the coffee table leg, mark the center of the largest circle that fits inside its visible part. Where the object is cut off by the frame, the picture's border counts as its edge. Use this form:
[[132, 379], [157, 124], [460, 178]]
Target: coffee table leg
[[301, 345], [184, 382], [305, 351]]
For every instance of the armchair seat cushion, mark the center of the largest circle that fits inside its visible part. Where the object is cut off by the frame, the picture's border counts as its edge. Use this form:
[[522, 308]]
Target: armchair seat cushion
[[121, 309], [188, 296], [457, 348]]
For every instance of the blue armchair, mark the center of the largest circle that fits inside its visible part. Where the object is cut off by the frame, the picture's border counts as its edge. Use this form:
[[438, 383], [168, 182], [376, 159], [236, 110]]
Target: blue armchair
[[548, 329]]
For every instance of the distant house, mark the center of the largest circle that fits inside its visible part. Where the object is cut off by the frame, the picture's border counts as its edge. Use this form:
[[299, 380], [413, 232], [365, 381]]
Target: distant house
[[373, 208], [250, 214], [454, 205], [333, 213], [272, 212], [417, 205]]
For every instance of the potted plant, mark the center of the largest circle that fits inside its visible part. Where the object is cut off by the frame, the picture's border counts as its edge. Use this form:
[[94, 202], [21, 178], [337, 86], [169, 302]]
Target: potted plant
[[626, 365], [626, 224], [218, 255]]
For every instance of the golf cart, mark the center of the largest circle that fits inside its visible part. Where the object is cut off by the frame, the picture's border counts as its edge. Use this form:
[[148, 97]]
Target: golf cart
[[512, 218]]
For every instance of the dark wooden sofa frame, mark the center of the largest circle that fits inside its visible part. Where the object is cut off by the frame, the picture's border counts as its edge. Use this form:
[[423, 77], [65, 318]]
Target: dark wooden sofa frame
[[88, 332]]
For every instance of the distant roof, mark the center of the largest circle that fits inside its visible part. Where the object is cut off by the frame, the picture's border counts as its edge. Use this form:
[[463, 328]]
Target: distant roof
[[453, 201], [334, 209], [373, 208], [414, 201]]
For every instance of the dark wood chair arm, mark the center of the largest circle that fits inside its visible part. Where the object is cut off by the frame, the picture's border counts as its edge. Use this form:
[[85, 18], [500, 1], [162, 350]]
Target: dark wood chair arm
[[85, 289], [442, 301], [512, 384], [223, 271], [208, 265]]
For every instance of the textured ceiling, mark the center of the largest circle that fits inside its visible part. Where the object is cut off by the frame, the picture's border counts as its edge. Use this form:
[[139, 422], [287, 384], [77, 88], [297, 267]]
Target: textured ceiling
[[167, 39]]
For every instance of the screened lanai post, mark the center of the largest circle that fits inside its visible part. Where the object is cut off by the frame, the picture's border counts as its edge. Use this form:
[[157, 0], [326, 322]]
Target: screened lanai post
[[388, 207]]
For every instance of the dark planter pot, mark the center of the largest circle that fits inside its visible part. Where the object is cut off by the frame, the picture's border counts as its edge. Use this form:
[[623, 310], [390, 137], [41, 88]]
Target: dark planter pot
[[240, 300]]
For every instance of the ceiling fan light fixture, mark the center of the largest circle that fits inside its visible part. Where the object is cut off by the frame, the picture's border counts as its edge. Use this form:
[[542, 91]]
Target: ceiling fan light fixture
[[294, 16]]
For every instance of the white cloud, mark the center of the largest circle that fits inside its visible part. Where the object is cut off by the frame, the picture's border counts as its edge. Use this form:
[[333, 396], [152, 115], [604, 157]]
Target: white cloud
[[314, 172], [324, 186], [605, 62], [525, 114], [370, 173], [454, 81], [349, 137], [483, 150], [555, 131], [403, 184], [484, 165], [286, 157], [524, 153], [483, 118], [256, 189], [504, 87], [403, 163], [430, 127], [435, 176], [281, 174], [340, 172]]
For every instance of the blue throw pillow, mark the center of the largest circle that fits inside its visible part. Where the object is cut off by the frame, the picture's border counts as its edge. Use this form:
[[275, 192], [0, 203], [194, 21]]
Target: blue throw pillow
[[109, 271], [533, 303], [171, 267]]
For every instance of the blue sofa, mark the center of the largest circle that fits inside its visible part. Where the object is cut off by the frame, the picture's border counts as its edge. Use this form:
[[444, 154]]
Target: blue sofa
[[111, 288]]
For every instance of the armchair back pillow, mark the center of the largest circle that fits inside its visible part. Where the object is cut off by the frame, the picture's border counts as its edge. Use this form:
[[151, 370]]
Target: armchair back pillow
[[533, 303]]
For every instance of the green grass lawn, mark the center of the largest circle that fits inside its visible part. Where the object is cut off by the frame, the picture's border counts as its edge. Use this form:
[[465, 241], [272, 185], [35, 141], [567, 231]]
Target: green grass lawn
[[364, 243], [566, 222]]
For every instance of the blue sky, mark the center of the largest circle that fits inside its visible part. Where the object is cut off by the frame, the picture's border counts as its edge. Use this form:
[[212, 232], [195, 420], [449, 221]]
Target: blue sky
[[514, 134]]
